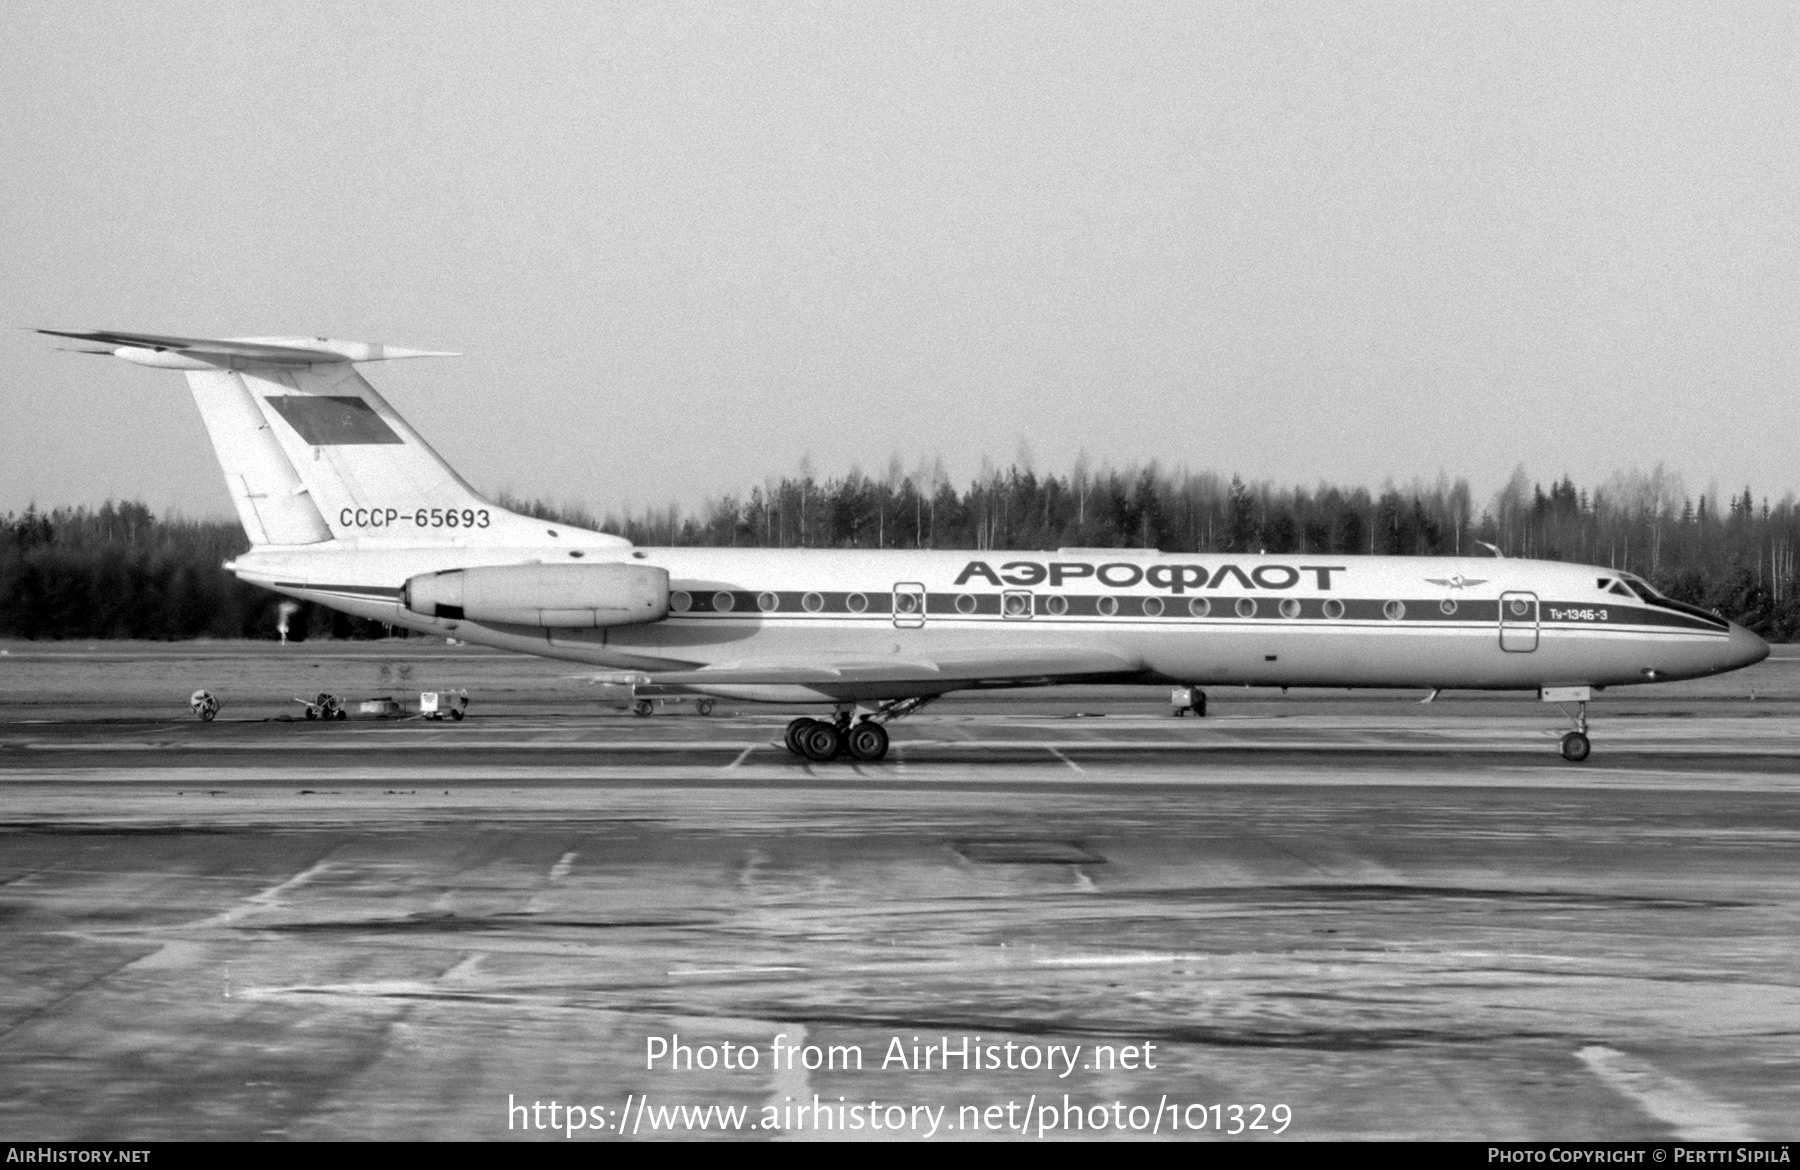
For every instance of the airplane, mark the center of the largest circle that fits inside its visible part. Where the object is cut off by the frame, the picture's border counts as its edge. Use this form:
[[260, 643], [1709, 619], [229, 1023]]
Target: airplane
[[346, 506]]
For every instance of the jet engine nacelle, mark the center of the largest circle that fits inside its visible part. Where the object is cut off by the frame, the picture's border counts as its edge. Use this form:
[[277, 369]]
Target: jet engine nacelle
[[554, 596]]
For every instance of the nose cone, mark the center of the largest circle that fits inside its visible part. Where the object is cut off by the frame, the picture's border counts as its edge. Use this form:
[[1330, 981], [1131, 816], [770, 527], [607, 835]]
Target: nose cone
[[1745, 648]]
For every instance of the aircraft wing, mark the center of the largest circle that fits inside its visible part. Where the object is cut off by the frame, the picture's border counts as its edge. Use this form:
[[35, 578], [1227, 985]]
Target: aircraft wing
[[932, 672]]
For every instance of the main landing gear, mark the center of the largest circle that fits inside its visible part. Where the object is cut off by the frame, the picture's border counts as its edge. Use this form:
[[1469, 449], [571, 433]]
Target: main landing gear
[[864, 740], [820, 741]]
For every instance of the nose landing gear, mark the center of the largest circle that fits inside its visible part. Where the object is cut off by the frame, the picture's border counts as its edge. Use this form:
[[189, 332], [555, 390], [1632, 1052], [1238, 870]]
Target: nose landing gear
[[1575, 746]]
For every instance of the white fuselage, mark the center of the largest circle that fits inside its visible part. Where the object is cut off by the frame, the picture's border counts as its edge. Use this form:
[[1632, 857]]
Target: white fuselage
[[1199, 619]]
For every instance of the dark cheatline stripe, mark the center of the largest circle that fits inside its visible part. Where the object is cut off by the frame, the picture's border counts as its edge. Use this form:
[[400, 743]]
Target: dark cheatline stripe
[[374, 591], [1131, 607], [1176, 608], [744, 602]]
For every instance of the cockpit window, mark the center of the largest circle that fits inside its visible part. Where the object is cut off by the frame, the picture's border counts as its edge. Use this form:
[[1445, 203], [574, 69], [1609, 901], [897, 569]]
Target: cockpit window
[[1613, 585], [1648, 593]]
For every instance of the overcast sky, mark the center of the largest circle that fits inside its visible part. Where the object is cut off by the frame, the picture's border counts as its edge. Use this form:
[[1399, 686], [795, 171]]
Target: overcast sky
[[685, 246]]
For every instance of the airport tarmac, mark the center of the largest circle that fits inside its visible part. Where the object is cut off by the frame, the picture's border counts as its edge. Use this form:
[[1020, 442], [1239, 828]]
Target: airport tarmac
[[1393, 919]]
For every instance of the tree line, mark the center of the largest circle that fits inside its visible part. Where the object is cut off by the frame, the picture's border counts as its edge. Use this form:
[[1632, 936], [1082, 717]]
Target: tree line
[[118, 571]]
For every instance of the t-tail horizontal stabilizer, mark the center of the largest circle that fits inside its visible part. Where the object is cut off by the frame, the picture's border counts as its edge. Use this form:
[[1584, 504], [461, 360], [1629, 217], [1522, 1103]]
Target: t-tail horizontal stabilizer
[[311, 453], [204, 353]]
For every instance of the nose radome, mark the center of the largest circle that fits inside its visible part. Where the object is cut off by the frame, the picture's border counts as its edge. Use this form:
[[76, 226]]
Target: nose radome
[[1746, 649]]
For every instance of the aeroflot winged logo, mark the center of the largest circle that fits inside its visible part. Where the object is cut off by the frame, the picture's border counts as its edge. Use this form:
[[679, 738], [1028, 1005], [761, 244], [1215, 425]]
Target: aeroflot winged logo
[[1124, 575], [1457, 582]]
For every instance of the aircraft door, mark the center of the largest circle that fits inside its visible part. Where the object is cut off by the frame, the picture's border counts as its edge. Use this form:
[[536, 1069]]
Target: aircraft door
[[909, 605], [1518, 622]]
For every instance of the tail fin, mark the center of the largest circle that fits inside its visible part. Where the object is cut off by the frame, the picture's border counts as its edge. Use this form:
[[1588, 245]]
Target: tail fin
[[312, 453]]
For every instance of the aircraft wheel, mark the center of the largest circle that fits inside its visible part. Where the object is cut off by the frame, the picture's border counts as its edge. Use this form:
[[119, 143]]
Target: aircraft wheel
[[204, 705], [642, 707], [704, 706], [340, 713], [821, 742], [792, 737], [312, 713], [868, 741], [456, 715], [1575, 747], [1197, 698]]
